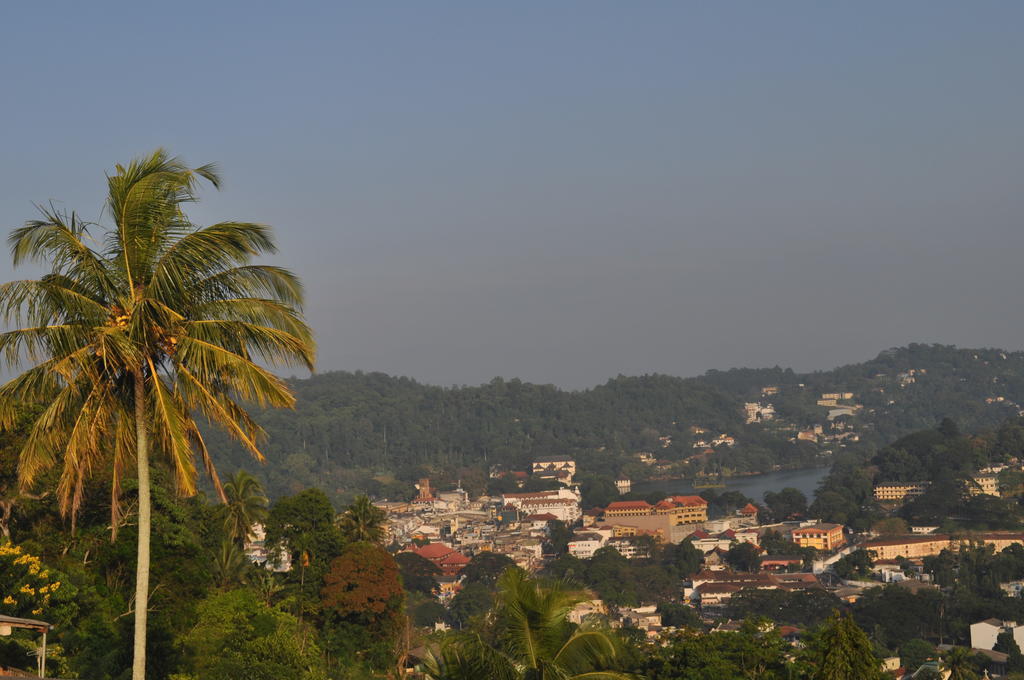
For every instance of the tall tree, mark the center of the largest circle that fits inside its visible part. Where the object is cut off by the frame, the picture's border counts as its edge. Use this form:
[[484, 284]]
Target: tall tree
[[842, 651], [137, 328], [362, 521], [533, 639], [246, 505], [959, 664]]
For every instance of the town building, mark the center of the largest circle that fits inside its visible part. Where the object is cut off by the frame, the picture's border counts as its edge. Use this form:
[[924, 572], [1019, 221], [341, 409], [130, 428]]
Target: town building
[[899, 492], [984, 633], [755, 412], [984, 485], [443, 557], [628, 509], [918, 546], [823, 536]]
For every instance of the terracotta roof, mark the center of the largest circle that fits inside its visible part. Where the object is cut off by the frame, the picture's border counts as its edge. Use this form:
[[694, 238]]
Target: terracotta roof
[[749, 509], [432, 551], [687, 500], [628, 505]]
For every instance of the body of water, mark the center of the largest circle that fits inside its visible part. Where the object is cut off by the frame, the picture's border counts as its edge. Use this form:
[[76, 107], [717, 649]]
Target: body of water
[[753, 486]]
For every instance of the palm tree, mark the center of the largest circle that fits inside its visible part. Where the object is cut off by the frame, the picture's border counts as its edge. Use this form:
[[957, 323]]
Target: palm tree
[[229, 564], [958, 662], [533, 639], [135, 330], [362, 521], [246, 505]]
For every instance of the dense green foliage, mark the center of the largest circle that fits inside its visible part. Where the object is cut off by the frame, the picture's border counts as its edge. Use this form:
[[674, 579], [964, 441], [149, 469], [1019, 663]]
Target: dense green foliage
[[377, 434]]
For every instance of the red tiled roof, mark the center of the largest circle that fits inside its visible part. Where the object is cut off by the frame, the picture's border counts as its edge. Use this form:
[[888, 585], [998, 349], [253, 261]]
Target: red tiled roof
[[628, 505], [432, 551], [749, 509], [687, 500]]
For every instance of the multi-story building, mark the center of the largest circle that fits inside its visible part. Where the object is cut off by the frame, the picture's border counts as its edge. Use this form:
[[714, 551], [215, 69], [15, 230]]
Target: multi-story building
[[563, 503], [898, 492], [629, 509], [984, 634], [756, 413], [683, 509], [560, 468], [932, 544], [984, 485], [823, 536], [584, 545]]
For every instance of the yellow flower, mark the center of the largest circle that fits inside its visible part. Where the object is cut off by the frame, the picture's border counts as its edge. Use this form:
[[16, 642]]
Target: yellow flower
[[37, 611], [10, 600]]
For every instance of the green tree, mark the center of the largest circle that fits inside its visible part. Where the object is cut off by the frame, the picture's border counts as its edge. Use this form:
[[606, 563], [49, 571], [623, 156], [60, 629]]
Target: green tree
[[419, 575], [754, 651], [245, 505], [959, 664], [362, 521], [1007, 645], [915, 652], [743, 557], [842, 651], [856, 564], [160, 321], [788, 502], [486, 567], [531, 639], [229, 565], [237, 636], [363, 601]]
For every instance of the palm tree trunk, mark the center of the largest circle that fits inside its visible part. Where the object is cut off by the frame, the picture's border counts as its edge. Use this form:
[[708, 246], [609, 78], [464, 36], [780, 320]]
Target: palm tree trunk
[[142, 565]]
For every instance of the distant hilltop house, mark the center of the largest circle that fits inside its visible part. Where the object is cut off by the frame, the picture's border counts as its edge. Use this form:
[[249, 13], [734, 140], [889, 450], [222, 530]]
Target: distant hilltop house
[[838, 396], [623, 485], [755, 412], [645, 457], [769, 391]]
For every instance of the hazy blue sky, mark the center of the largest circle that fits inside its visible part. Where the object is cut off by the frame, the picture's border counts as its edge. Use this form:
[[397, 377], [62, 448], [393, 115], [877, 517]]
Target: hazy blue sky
[[564, 191]]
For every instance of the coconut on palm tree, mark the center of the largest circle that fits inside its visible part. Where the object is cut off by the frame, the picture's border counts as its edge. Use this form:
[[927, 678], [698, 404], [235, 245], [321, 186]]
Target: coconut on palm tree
[[245, 504], [136, 330], [362, 521], [530, 638]]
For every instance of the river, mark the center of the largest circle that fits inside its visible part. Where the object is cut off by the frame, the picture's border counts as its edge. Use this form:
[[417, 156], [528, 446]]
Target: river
[[752, 486]]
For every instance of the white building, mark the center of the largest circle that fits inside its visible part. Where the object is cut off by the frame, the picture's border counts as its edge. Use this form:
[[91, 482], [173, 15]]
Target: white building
[[984, 633], [584, 545]]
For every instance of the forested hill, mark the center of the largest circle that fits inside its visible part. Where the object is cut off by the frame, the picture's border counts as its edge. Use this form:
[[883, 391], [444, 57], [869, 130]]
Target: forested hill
[[374, 432]]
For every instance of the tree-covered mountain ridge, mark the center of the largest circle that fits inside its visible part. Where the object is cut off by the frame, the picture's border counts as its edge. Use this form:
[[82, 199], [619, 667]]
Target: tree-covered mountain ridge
[[374, 432]]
